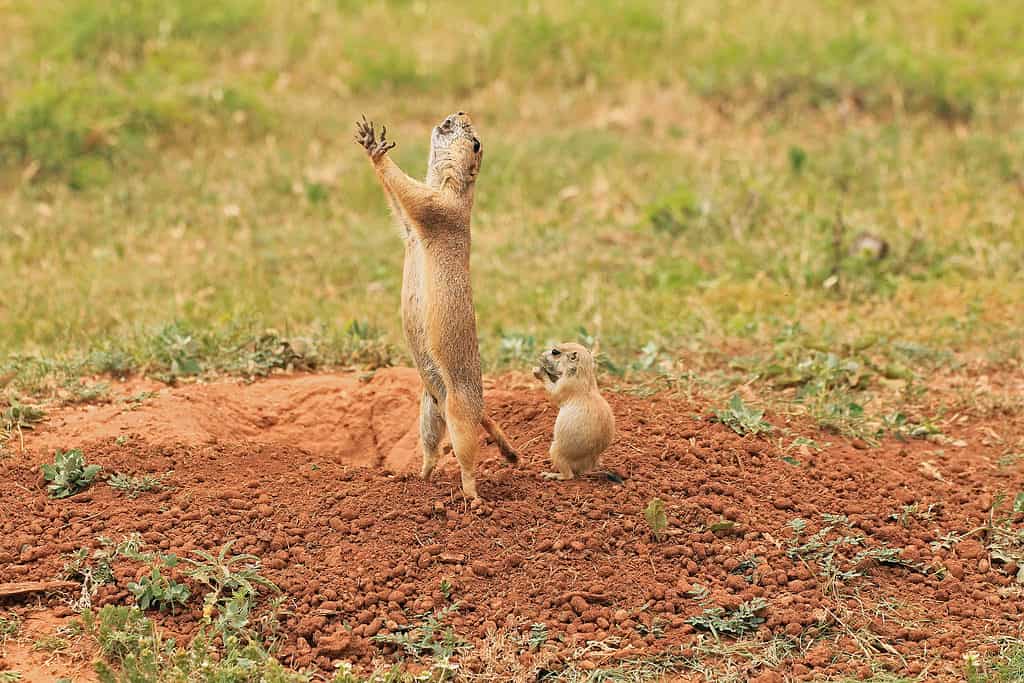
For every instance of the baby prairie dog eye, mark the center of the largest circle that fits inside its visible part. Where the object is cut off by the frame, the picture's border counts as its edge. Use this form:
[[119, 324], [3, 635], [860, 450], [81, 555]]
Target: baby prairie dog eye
[[476, 145], [556, 352]]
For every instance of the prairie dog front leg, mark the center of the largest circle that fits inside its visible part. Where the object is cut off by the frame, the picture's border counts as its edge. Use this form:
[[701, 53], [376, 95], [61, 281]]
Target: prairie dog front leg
[[408, 197]]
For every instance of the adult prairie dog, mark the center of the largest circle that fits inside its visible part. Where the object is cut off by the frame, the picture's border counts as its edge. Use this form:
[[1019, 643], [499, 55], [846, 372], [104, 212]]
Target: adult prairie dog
[[585, 425], [437, 301]]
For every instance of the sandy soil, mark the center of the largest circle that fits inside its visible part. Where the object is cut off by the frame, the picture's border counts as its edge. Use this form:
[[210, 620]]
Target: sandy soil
[[314, 473]]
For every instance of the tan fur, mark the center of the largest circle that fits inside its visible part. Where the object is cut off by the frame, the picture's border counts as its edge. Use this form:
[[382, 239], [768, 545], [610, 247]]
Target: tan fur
[[585, 425], [437, 298]]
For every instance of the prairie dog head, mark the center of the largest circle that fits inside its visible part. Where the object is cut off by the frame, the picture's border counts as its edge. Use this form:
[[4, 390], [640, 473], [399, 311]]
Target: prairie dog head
[[455, 154], [569, 366]]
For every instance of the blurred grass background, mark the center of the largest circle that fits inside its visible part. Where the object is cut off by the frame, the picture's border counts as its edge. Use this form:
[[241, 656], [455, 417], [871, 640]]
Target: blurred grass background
[[675, 179]]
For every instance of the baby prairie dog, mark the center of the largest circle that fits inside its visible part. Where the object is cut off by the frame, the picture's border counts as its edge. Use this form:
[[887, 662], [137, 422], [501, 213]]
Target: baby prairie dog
[[585, 425]]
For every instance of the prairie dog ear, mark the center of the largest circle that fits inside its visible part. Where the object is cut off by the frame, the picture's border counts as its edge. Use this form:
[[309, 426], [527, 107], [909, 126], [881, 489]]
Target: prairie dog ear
[[574, 356]]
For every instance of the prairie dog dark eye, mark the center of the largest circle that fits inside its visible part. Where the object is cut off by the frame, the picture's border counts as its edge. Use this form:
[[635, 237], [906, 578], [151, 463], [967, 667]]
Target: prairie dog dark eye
[[476, 145], [556, 352]]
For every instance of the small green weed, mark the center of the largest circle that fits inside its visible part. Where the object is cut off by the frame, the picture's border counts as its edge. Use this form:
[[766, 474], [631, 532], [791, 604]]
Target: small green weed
[[69, 474], [10, 676], [20, 416], [78, 391], [902, 428], [429, 637], [51, 643], [159, 591], [115, 363], [96, 568], [9, 625], [15, 419], [742, 418], [697, 592], [269, 352], [516, 348], [1006, 667], [138, 399], [178, 351], [133, 485], [1009, 459], [744, 619], [654, 515], [678, 213], [1000, 534], [130, 642], [538, 635], [656, 628], [826, 547], [226, 575], [913, 511]]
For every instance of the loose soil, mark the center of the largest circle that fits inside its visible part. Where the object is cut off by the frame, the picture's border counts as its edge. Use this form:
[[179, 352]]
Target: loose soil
[[315, 474]]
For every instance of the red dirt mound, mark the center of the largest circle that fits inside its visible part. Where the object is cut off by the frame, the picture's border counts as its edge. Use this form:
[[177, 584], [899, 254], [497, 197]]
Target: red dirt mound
[[367, 420], [311, 473]]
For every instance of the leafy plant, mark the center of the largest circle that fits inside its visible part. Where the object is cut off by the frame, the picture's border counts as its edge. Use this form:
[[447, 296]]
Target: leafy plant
[[157, 590], [538, 635], [133, 485], [52, 643], [69, 474], [270, 351], [826, 546], [138, 399], [16, 418], [1005, 542], [427, 638], [95, 568], [913, 511], [1007, 667], [115, 363], [516, 347], [742, 418], [654, 514], [902, 428], [178, 351], [226, 575], [744, 619], [797, 158], [9, 625], [676, 214], [130, 642], [81, 392], [20, 416], [10, 676]]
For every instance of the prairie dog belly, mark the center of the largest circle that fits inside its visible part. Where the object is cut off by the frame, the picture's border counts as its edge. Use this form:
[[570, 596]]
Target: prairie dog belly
[[583, 430]]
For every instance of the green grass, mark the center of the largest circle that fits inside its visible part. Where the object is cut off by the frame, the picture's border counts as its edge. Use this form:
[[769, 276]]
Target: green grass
[[677, 181]]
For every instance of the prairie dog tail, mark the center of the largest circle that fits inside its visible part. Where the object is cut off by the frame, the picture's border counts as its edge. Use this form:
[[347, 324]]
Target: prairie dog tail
[[613, 476], [609, 475], [494, 431]]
